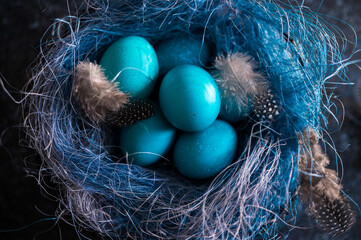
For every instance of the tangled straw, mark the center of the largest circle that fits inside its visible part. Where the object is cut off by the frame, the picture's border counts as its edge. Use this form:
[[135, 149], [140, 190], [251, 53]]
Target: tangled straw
[[247, 200]]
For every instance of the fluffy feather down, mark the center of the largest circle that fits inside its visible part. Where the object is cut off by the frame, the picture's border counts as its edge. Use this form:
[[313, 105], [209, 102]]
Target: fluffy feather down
[[238, 81], [317, 180], [95, 93]]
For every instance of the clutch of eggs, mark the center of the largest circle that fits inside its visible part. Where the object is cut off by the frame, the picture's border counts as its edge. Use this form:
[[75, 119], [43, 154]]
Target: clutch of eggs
[[185, 126]]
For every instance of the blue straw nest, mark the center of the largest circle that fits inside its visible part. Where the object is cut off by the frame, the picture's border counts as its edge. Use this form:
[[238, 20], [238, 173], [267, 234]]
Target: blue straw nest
[[251, 199]]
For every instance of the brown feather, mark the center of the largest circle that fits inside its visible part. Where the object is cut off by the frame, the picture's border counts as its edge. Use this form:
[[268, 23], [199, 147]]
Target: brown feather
[[320, 188], [95, 93]]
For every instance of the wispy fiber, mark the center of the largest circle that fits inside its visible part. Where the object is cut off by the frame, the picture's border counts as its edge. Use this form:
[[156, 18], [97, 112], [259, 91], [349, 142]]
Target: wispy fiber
[[248, 200]]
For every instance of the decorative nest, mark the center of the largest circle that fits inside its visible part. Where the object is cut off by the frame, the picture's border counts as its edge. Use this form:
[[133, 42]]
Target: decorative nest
[[294, 51]]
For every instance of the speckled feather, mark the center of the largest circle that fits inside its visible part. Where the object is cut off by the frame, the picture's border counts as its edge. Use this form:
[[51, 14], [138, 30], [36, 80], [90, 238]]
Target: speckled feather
[[266, 106], [320, 188], [334, 217], [131, 112]]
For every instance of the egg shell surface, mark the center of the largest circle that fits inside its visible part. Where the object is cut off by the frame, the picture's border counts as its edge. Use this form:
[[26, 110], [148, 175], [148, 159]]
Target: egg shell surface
[[189, 98], [204, 154], [132, 63], [180, 50], [147, 140]]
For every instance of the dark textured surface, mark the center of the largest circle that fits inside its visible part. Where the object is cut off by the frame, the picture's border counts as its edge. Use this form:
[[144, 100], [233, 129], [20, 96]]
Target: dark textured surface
[[22, 202]]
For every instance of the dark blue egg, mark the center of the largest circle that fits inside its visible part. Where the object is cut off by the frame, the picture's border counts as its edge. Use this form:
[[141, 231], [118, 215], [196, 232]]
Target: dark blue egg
[[182, 50]]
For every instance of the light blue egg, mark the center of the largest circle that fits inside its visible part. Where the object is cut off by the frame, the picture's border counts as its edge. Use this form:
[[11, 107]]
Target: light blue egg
[[189, 98], [204, 154], [182, 50], [147, 140], [133, 63]]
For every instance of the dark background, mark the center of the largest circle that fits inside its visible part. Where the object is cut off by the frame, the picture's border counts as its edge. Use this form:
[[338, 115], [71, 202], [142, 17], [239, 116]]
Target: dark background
[[29, 212]]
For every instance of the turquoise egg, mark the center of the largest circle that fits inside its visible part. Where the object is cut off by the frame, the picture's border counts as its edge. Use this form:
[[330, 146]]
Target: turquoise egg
[[189, 98], [182, 50], [147, 140], [204, 154], [132, 62]]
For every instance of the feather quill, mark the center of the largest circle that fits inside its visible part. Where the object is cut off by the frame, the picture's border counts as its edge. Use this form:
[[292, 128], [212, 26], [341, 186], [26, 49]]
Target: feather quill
[[95, 93]]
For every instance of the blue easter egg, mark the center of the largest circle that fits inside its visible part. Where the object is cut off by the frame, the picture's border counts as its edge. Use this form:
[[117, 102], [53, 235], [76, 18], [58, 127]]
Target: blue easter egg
[[147, 140], [181, 50], [133, 63], [189, 98], [204, 154]]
